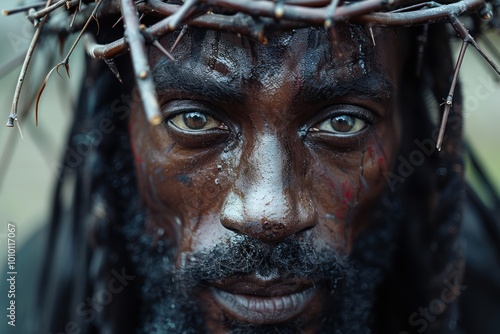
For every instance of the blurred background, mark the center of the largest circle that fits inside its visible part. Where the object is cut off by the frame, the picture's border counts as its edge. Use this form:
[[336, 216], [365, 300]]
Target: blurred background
[[28, 166]]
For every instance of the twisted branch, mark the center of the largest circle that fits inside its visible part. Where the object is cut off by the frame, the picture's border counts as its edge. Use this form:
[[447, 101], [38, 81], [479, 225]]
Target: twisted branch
[[137, 45], [249, 18], [466, 40], [291, 17], [24, 69]]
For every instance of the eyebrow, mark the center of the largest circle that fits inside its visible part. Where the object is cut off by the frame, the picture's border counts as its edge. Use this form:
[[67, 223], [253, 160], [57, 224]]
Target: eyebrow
[[371, 86], [168, 75]]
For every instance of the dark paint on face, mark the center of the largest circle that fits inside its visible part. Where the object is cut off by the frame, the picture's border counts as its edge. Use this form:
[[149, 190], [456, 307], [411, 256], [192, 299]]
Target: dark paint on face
[[286, 140]]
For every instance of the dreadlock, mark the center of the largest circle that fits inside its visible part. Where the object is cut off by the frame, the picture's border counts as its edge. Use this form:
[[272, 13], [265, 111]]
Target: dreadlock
[[85, 243], [433, 196]]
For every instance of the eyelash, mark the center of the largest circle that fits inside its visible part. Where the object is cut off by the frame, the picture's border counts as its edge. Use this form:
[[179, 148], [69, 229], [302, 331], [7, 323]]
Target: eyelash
[[171, 110], [194, 139], [367, 117], [330, 140]]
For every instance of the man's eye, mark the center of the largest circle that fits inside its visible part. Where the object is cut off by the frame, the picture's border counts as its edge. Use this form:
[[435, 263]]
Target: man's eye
[[196, 121], [342, 124]]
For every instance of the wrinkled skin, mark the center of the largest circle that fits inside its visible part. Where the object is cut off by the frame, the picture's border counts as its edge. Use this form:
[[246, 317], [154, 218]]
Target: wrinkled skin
[[279, 141]]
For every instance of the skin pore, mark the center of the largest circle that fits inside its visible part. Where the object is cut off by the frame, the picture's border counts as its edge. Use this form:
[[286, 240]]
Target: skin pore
[[265, 172]]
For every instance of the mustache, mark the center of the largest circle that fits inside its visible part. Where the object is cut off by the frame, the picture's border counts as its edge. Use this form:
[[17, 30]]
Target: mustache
[[242, 255]]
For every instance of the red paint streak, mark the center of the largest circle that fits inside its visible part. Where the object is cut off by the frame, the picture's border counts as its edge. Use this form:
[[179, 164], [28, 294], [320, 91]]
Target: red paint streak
[[347, 192], [381, 163], [341, 212], [347, 197], [137, 157], [371, 151]]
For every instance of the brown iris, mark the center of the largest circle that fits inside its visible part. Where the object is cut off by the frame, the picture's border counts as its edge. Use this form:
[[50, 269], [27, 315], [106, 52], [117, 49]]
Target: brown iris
[[343, 123], [195, 120]]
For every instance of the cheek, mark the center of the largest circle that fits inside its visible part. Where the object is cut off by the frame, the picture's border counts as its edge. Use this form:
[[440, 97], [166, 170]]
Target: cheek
[[344, 190], [372, 183], [334, 186], [182, 193], [378, 158], [375, 166]]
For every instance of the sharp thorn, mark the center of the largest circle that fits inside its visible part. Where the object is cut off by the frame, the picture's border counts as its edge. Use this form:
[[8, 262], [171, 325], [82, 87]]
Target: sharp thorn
[[163, 50], [179, 38], [112, 66]]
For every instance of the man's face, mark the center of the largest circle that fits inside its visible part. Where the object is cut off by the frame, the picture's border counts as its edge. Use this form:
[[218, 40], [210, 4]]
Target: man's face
[[267, 166]]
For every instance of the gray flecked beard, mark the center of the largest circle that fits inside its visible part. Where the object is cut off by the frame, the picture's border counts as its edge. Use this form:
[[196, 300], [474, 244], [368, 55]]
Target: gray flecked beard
[[169, 295]]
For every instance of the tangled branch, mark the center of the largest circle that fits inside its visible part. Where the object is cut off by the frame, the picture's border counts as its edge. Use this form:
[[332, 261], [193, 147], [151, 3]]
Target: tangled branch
[[249, 18]]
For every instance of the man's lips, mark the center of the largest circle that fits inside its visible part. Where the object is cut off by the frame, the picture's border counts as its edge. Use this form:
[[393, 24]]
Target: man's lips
[[257, 301]]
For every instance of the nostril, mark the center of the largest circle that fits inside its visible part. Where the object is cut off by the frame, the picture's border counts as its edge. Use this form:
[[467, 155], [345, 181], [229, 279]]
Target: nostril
[[272, 226], [231, 225], [232, 214], [232, 228], [256, 228], [247, 214], [306, 228], [265, 230]]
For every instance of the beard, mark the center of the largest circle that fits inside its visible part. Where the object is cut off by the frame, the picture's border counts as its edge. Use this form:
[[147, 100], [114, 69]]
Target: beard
[[169, 294]]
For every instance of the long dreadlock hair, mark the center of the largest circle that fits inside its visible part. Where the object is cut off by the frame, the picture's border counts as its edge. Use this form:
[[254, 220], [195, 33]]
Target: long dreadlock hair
[[87, 246]]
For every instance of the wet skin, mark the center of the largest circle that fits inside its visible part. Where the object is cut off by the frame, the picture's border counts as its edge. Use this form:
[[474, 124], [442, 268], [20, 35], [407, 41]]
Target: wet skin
[[286, 139]]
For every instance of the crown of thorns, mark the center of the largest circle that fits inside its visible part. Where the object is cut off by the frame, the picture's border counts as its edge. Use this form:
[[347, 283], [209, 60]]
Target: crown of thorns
[[250, 18]]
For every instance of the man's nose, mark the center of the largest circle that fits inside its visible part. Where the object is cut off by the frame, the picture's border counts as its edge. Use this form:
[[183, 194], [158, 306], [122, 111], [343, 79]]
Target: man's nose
[[267, 201]]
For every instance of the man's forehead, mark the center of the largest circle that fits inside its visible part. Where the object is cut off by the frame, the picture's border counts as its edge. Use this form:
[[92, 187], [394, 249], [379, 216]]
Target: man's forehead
[[232, 61]]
